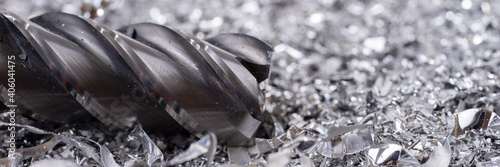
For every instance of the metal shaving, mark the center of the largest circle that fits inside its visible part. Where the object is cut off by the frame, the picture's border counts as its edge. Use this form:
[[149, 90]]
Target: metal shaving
[[353, 83]]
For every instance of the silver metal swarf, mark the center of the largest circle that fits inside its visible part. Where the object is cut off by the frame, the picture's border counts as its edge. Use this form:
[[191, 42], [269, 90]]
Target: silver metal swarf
[[67, 67]]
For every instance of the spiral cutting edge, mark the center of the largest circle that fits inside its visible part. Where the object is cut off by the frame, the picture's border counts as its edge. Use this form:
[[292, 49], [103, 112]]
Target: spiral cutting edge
[[68, 66]]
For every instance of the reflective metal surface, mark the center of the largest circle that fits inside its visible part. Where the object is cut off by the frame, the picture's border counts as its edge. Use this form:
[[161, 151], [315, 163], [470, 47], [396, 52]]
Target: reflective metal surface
[[161, 77]]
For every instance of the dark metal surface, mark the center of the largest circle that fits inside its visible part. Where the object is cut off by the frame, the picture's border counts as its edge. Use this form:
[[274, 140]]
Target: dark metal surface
[[161, 77]]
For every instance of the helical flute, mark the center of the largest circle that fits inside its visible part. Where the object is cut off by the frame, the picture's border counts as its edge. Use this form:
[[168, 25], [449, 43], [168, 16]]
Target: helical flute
[[67, 67]]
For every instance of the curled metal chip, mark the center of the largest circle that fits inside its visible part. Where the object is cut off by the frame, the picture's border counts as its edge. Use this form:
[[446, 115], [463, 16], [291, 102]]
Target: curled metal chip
[[390, 155], [474, 119], [167, 80]]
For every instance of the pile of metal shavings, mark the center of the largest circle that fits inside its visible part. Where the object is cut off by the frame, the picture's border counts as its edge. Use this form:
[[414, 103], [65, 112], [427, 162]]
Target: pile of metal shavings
[[353, 83]]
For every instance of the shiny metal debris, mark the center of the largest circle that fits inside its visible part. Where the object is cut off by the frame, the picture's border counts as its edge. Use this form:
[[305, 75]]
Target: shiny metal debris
[[441, 155], [153, 153], [205, 146], [475, 119], [55, 163], [280, 158], [91, 149], [163, 78], [390, 155]]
